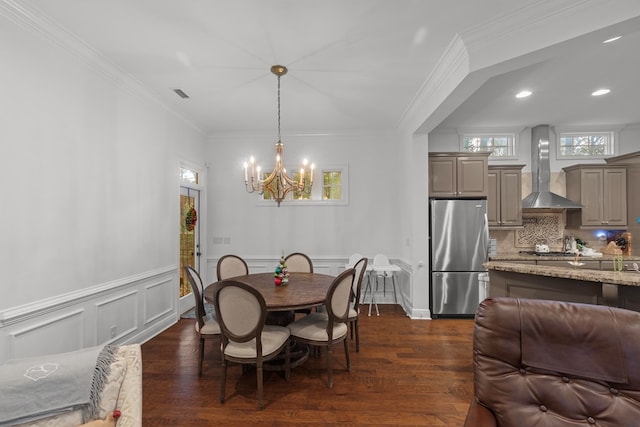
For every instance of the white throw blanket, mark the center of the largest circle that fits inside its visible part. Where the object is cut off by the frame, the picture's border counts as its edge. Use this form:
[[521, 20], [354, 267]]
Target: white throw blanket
[[38, 387]]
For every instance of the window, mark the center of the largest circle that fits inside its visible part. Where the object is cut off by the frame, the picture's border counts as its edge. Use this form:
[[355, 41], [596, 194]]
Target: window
[[188, 175], [266, 195], [331, 185], [500, 145], [583, 144], [329, 188], [302, 195]]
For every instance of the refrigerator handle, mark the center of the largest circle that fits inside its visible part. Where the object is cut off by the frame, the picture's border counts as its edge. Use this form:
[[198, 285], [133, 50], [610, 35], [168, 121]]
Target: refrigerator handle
[[486, 233]]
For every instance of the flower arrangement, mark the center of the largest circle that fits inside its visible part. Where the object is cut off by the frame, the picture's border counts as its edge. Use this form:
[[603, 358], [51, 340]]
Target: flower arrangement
[[281, 275]]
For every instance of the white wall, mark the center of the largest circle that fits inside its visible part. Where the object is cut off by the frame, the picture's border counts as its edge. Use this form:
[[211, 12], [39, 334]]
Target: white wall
[[369, 224], [89, 219]]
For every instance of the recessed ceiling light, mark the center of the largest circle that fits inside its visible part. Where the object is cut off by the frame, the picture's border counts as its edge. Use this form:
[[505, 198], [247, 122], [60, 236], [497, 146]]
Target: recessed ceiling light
[[600, 92], [612, 39], [523, 94]]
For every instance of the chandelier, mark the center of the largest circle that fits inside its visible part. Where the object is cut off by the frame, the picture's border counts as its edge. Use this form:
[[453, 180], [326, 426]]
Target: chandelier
[[278, 184]]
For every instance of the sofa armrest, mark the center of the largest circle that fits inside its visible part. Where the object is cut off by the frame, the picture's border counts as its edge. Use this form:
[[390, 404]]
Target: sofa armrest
[[130, 397], [479, 416]]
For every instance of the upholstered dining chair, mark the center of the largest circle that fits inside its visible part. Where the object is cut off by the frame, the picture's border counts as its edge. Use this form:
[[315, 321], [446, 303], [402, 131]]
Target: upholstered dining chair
[[328, 328], [246, 339], [299, 262], [207, 326], [353, 258], [551, 363], [231, 266], [360, 268]]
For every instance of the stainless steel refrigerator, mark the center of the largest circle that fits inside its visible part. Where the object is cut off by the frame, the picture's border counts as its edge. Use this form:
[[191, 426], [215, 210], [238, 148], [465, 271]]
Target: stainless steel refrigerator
[[459, 245]]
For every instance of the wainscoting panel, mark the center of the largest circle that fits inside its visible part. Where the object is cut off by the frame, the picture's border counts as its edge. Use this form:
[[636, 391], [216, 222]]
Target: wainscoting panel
[[159, 302], [61, 332], [117, 317], [129, 310]]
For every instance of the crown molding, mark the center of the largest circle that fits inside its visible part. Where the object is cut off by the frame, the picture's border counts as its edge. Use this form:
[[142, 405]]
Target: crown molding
[[35, 22], [540, 25], [450, 70], [527, 19]]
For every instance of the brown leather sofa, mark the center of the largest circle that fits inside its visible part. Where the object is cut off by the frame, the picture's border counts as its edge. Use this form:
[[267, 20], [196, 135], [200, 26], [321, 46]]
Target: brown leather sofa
[[550, 363]]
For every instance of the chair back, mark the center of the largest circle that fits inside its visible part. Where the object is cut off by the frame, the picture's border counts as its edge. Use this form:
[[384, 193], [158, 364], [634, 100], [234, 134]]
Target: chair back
[[231, 266], [339, 297], [353, 259], [381, 260], [539, 362], [299, 262], [360, 268], [241, 312], [197, 289]]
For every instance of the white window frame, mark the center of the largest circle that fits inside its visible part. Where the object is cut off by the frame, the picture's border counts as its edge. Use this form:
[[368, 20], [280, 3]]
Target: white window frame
[[316, 190], [612, 146], [484, 134]]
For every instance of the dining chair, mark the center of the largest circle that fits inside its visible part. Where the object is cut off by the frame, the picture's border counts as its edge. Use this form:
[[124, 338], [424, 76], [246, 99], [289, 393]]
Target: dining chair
[[299, 262], [246, 338], [360, 268], [206, 326], [382, 268], [231, 266], [353, 259], [328, 328]]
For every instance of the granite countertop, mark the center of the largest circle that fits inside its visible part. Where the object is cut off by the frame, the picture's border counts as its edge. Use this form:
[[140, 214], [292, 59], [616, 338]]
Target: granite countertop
[[516, 256], [627, 278]]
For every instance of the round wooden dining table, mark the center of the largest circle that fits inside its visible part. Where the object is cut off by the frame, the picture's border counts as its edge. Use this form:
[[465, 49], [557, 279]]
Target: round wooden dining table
[[304, 290]]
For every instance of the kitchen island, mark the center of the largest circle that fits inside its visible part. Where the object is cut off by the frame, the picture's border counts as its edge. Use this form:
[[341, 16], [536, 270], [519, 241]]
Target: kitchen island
[[537, 278]]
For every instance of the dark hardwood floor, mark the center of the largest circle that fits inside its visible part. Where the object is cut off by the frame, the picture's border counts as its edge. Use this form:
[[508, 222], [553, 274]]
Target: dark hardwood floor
[[407, 373]]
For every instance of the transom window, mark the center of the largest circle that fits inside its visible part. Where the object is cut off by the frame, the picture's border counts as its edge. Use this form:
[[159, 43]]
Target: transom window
[[585, 144], [188, 175], [500, 145]]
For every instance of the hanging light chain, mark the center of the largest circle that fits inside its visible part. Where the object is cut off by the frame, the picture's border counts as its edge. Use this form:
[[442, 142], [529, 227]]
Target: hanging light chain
[[279, 138]]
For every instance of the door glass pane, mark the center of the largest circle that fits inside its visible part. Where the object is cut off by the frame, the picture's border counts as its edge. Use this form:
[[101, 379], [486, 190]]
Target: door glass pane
[[189, 222]]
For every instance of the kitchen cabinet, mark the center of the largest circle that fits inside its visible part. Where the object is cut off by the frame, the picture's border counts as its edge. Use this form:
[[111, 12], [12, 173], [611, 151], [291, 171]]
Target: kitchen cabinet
[[504, 196], [602, 190], [631, 162], [458, 175]]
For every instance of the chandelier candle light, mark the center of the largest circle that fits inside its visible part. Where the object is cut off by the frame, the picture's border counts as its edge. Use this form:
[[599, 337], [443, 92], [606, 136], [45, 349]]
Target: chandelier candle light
[[278, 184]]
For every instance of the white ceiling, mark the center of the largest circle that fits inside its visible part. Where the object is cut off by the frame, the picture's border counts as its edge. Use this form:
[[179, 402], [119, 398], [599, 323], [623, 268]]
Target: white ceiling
[[353, 64]]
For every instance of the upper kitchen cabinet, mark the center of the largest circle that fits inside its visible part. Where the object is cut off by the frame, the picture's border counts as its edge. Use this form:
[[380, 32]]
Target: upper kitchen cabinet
[[458, 175], [504, 198], [602, 190]]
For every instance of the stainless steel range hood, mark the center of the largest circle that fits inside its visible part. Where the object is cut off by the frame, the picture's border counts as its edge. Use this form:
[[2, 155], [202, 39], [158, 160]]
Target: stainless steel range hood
[[541, 196]]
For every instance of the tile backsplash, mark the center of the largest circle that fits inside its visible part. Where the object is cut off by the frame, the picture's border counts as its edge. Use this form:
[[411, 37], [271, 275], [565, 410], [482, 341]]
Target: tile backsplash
[[540, 228], [547, 228]]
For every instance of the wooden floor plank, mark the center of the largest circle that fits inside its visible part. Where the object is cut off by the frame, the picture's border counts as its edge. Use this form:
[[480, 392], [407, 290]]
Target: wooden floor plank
[[407, 373]]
